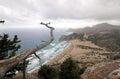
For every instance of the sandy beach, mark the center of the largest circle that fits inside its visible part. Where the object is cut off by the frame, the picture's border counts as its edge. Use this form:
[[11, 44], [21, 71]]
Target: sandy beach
[[60, 57], [73, 51]]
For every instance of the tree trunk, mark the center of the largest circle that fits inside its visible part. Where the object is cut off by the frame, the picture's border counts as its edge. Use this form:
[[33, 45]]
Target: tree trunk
[[24, 69], [6, 64]]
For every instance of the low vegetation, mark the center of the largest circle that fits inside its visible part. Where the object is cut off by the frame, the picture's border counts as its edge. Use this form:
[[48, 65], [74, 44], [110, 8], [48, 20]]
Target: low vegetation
[[68, 70], [47, 72], [87, 47], [109, 40]]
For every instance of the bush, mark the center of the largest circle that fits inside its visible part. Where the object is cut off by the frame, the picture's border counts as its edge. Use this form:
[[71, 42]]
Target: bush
[[69, 69], [8, 49], [47, 72]]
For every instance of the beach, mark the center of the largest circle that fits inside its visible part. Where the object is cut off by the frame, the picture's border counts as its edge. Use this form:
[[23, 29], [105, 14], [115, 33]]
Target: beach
[[75, 52], [61, 57]]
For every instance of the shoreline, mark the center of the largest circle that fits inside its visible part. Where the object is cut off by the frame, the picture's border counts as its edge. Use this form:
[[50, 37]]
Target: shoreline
[[52, 59], [57, 58], [72, 50]]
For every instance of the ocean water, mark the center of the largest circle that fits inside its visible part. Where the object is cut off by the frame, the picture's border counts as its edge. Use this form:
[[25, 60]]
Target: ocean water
[[32, 37], [46, 55]]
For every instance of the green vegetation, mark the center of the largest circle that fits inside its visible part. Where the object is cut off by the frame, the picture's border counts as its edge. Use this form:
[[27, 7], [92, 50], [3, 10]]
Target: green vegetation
[[69, 69], [47, 72], [8, 47], [109, 40]]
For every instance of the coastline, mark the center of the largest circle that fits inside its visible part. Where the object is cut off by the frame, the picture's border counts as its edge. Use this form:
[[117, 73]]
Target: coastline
[[46, 57], [53, 59], [59, 58], [76, 53], [68, 51]]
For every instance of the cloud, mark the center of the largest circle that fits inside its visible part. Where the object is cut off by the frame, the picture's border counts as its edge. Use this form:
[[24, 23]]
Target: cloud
[[30, 11], [84, 9]]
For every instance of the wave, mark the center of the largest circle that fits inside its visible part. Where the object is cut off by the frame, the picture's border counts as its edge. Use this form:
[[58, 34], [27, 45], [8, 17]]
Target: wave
[[46, 54]]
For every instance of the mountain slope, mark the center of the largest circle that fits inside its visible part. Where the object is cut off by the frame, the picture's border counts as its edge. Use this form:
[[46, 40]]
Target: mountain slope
[[96, 28]]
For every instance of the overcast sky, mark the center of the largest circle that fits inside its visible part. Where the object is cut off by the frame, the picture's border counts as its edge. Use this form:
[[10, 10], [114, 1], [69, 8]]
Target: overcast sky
[[61, 13]]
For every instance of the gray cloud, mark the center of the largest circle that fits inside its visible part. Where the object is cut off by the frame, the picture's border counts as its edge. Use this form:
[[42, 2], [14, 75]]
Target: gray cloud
[[30, 10]]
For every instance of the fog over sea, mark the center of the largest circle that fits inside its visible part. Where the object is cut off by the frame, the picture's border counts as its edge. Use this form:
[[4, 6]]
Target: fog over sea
[[31, 37]]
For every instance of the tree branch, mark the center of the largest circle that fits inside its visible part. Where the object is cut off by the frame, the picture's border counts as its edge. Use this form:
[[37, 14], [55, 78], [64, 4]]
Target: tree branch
[[6, 64]]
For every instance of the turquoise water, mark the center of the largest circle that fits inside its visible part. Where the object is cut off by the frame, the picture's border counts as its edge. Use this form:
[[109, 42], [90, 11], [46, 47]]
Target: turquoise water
[[32, 37], [46, 55]]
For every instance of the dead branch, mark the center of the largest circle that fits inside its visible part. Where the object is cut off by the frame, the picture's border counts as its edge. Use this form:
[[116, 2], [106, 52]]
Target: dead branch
[[6, 64]]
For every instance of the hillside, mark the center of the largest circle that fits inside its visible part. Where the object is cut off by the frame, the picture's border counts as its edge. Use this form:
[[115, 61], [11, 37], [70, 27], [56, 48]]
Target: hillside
[[109, 40], [105, 36], [99, 62], [96, 28]]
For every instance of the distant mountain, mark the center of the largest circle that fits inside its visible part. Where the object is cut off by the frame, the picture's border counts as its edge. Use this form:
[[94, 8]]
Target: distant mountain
[[104, 35], [96, 28]]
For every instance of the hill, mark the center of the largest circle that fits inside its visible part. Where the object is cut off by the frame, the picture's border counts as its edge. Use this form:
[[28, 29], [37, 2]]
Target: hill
[[107, 37], [96, 28], [103, 35]]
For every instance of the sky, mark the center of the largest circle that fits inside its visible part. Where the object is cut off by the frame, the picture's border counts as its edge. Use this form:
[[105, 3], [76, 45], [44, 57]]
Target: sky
[[61, 13]]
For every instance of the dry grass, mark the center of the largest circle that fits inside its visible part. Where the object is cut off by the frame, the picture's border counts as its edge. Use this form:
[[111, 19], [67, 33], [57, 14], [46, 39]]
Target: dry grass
[[80, 54]]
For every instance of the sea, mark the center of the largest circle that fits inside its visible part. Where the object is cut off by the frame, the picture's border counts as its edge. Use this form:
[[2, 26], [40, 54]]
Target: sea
[[31, 37]]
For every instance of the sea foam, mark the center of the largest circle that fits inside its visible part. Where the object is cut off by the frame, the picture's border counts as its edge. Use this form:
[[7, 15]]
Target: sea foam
[[45, 55]]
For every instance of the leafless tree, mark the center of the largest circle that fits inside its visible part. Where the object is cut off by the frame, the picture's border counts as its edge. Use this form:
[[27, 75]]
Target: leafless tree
[[6, 64]]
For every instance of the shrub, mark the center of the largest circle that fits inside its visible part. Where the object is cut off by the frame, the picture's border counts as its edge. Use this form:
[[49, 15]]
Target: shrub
[[69, 69], [47, 72]]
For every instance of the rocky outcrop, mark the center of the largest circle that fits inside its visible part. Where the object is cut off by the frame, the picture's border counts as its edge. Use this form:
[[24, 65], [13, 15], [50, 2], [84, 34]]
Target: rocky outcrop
[[105, 70]]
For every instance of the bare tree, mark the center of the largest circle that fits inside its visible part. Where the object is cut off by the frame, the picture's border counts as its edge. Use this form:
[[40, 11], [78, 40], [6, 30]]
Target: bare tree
[[6, 64]]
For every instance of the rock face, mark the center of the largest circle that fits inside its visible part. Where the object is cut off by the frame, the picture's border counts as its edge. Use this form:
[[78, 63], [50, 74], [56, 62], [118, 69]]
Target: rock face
[[106, 70]]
